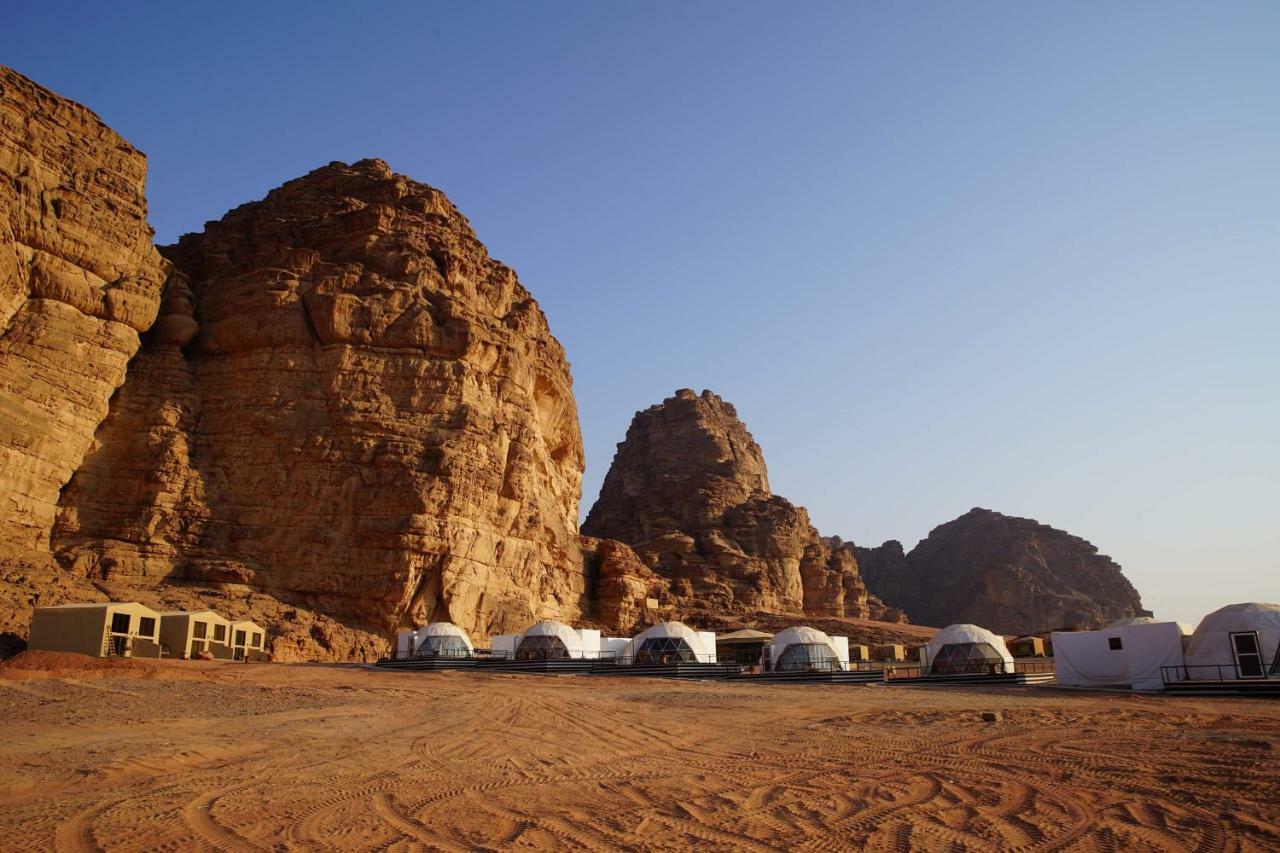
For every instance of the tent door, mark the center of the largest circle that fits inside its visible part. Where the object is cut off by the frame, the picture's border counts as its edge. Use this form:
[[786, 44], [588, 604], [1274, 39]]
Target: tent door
[[1248, 655]]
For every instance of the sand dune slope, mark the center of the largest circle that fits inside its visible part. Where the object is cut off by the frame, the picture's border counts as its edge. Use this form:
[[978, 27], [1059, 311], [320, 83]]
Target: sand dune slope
[[244, 757]]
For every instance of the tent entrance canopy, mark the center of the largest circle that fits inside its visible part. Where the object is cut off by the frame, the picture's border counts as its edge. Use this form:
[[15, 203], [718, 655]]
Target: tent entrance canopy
[[964, 658]]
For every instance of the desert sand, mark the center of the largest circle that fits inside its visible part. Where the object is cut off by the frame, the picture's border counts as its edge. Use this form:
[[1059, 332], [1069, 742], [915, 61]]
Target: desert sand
[[173, 755]]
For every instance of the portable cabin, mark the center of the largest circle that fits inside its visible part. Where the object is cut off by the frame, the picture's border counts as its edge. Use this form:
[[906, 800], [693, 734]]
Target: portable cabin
[[549, 640], [97, 629], [966, 649], [744, 647], [248, 641], [1239, 641], [1027, 647], [1130, 653], [859, 653], [671, 642], [804, 649], [891, 652], [188, 633]]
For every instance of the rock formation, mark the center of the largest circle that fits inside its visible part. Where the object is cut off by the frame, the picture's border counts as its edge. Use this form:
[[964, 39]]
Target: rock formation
[[689, 491], [1012, 575], [79, 280], [346, 404]]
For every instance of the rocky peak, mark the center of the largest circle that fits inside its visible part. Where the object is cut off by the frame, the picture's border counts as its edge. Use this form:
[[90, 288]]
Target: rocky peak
[[689, 491], [1012, 575], [350, 415]]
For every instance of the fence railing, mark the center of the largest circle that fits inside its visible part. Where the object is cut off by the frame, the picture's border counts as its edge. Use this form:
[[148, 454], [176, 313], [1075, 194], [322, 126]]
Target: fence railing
[[1212, 672]]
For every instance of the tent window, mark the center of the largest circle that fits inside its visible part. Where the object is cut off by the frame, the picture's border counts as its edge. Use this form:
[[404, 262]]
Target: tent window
[[808, 657], [1248, 654], [960, 658], [120, 623], [1115, 643], [199, 630], [147, 626], [444, 647], [220, 633], [542, 648], [239, 638], [665, 650]]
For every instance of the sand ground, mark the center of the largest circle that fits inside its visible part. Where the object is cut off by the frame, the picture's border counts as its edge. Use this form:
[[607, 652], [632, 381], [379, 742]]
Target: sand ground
[[241, 757]]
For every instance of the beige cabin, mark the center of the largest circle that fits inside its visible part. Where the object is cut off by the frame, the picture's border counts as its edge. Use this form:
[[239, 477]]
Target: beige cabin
[[188, 633], [98, 629], [858, 653], [248, 641], [1027, 647], [893, 652]]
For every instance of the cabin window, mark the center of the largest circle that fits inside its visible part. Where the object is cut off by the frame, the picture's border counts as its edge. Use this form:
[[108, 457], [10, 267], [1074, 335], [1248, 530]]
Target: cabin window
[[239, 638], [220, 633], [1115, 643], [147, 626], [257, 640], [199, 630], [120, 623]]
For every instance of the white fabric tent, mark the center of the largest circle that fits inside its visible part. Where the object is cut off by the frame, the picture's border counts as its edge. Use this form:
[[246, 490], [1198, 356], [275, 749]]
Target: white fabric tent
[[966, 635], [806, 636], [701, 643], [1130, 653], [1212, 652]]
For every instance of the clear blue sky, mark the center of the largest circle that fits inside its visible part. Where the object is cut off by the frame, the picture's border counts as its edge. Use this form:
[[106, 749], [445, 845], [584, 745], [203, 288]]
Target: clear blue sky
[[940, 255]]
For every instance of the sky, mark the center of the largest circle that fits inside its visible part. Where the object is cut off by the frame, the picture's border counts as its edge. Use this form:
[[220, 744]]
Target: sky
[[939, 255]]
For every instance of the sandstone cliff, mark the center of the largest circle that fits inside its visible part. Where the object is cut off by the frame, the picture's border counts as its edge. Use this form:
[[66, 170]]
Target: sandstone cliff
[[689, 491], [347, 405], [1012, 575], [79, 280]]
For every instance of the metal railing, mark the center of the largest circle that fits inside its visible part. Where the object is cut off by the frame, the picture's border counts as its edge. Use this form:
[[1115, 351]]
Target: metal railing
[[1033, 666], [1212, 673], [659, 659]]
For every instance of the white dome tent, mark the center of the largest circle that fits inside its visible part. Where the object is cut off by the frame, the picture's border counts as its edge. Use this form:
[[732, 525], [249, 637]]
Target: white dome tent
[[967, 649], [672, 642], [442, 639], [804, 649], [549, 640], [1236, 641]]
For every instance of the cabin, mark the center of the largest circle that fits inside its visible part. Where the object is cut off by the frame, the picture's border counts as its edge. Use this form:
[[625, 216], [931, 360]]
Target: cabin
[[859, 653], [98, 629], [187, 634], [890, 653], [1027, 647], [248, 641], [1128, 654]]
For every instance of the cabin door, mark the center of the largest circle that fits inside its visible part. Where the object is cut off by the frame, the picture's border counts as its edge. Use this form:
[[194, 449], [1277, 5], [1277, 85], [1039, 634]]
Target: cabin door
[[1248, 655]]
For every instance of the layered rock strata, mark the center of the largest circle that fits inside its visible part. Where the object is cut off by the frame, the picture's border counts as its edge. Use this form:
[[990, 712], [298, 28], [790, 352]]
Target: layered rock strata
[[689, 491], [79, 280], [346, 404], [1012, 575]]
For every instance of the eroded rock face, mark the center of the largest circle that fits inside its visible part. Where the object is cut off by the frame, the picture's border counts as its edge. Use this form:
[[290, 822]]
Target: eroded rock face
[[689, 491], [79, 279], [1012, 575], [347, 406]]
